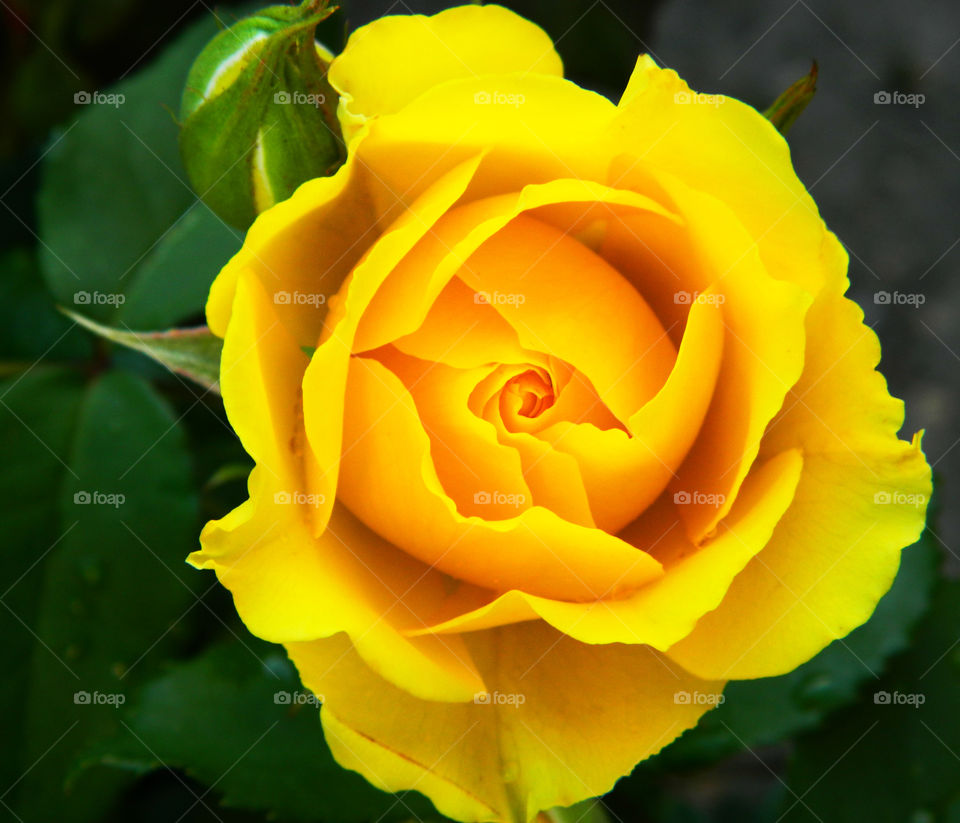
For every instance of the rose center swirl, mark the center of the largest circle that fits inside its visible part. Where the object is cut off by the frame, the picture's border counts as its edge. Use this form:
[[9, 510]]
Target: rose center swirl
[[528, 394]]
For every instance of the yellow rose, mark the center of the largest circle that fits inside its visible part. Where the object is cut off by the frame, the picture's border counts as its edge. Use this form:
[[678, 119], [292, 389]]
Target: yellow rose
[[560, 419]]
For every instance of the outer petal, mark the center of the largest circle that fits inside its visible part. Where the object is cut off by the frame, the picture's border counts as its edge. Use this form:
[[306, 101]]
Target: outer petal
[[577, 718], [304, 245], [722, 147], [861, 499], [288, 585], [554, 130], [393, 60], [260, 372]]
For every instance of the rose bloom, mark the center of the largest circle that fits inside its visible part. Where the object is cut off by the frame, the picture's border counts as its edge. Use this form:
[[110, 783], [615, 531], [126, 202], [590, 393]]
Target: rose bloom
[[560, 419]]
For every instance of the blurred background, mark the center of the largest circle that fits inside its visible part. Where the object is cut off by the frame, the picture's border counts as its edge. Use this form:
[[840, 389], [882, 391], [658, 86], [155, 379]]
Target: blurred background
[[885, 173]]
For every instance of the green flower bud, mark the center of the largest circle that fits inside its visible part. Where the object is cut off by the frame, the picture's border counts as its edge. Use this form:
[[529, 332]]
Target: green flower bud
[[258, 116]]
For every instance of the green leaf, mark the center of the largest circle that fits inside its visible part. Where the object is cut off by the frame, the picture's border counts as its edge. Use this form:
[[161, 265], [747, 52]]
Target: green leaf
[[235, 717], [172, 282], [904, 736], [30, 326], [37, 418], [118, 221], [764, 711], [194, 353], [102, 474], [785, 110]]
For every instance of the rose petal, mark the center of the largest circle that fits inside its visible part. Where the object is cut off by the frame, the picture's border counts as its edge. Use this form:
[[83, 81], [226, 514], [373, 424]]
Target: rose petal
[[724, 148], [762, 358], [286, 584], [290, 586], [470, 462], [838, 548], [623, 474], [462, 332], [665, 610], [304, 246], [390, 62], [404, 301], [564, 300], [588, 714], [324, 382], [714, 259], [553, 477], [550, 131]]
